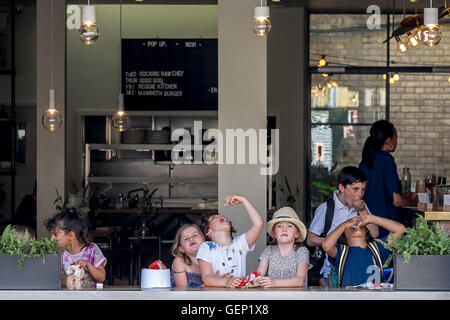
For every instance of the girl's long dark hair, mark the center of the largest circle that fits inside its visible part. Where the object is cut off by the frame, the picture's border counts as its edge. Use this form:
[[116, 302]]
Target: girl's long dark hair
[[379, 132], [71, 220]]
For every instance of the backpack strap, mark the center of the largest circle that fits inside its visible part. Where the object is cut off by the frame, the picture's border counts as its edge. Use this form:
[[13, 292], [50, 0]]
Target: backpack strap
[[328, 217], [377, 255], [342, 262]]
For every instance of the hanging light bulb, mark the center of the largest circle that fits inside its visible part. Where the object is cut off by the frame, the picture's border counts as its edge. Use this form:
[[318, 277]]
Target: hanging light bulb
[[88, 31], [322, 62], [449, 79], [51, 119], [396, 77], [334, 83], [413, 41], [391, 80], [121, 120], [431, 33], [402, 47], [325, 75], [384, 76], [261, 22]]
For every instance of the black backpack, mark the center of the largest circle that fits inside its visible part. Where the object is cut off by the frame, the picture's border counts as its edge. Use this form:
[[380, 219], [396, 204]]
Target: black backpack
[[317, 255]]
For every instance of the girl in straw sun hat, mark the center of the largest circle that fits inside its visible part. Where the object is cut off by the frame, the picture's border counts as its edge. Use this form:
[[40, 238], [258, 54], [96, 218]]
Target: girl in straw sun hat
[[286, 263]]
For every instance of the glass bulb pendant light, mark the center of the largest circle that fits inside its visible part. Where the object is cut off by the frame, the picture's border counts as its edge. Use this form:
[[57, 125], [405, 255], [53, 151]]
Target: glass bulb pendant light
[[396, 77], [322, 62], [391, 79], [431, 33], [402, 47], [261, 21], [413, 40], [121, 120], [51, 119], [88, 31]]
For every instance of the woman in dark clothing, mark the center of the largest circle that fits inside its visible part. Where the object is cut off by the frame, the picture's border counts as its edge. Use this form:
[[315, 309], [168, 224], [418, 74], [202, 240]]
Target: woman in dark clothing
[[383, 194]]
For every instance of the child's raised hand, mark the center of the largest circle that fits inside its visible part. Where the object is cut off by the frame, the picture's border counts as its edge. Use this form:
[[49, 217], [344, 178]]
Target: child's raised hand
[[360, 205], [234, 199]]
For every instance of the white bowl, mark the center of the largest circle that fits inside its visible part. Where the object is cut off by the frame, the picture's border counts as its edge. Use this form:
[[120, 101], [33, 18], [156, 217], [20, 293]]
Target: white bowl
[[151, 278]]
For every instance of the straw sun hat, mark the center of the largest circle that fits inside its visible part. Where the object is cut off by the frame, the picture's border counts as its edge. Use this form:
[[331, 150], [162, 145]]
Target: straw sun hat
[[287, 214]]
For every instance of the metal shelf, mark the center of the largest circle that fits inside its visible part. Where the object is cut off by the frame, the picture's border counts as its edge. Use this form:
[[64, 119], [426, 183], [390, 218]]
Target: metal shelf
[[136, 147], [152, 180]]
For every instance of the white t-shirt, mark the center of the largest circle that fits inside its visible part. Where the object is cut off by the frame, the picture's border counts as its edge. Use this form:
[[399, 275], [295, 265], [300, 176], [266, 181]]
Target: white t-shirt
[[231, 258], [341, 214]]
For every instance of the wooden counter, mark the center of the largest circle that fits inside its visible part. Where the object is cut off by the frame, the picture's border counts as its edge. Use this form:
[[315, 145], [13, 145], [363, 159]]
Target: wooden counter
[[443, 217]]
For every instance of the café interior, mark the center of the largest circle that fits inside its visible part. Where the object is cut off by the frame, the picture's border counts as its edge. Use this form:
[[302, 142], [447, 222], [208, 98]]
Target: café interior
[[310, 84]]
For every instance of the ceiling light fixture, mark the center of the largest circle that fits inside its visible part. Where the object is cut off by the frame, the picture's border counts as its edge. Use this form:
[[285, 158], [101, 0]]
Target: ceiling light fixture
[[51, 119], [88, 31], [121, 120], [261, 21], [413, 40], [402, 47], [431, 33], [322, 62]]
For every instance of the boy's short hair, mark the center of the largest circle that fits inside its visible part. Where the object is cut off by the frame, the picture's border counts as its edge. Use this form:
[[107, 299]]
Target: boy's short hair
[[350, 175], [24, 232]]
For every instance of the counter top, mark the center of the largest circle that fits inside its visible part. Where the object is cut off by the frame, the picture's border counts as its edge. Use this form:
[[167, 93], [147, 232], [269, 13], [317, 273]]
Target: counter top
[[134, 293]]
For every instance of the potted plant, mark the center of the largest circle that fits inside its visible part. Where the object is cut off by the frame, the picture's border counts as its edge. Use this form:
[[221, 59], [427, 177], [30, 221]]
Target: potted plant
[[421, 257], [28, 263], [146, 207]]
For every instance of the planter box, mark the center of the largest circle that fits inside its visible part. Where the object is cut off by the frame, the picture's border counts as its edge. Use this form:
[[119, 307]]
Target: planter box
[[36, 274], [422, 273]]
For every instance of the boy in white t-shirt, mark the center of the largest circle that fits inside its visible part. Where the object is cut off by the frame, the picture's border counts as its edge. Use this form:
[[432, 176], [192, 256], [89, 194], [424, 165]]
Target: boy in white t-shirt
[[223, 259]]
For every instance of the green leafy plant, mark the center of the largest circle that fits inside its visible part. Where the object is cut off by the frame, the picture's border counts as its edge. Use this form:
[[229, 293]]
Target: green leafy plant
[[12, 243], [419, 240], [146, 206], [77, 200], [290, 199]]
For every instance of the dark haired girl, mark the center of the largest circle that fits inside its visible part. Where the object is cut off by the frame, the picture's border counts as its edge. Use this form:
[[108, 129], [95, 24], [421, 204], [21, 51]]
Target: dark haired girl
[[70, 228], [384, 192]]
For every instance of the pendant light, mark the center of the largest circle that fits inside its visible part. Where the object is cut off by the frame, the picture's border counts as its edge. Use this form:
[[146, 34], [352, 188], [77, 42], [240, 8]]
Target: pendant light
[[402, 47], [322, 62], [51, 119], [261, 21], [88, 31], [121, 120], [431, 33], [413, 40]]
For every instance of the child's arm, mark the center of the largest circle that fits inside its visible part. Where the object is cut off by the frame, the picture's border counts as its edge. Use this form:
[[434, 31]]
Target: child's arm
[[297, 281], [98, 274], [262, 268], [395, 228], [329, 243], [362, 210], [210, 280], [258, 223], [179, 273]]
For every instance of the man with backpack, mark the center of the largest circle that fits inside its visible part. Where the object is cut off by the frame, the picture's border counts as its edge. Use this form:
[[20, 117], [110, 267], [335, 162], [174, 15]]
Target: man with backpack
[[346, 203]]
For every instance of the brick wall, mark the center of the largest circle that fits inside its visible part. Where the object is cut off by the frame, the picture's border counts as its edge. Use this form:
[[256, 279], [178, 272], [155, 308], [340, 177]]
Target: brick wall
[[419, 103]]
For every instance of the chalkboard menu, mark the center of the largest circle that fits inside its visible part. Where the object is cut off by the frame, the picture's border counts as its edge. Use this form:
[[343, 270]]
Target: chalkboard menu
[[169, 74]]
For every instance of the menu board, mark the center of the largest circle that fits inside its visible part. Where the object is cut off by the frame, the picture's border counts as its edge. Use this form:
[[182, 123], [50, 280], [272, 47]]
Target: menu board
[[169, 74]]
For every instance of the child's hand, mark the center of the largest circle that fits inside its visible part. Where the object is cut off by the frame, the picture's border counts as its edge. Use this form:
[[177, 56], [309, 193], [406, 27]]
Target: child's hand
[[266, 282], [366, 219], [83, 263], [233, 282], [351, 222], [360, 205], [234, 199]]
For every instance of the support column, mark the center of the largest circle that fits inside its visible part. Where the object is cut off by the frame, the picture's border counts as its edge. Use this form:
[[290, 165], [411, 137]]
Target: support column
[[50, 146], [242, 105]]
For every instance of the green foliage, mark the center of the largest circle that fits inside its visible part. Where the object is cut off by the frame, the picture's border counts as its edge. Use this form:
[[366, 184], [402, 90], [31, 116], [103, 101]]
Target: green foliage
[[324, 188], [420, 240], [290, 199], [77, 201], [146, 206], [12, 243]]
